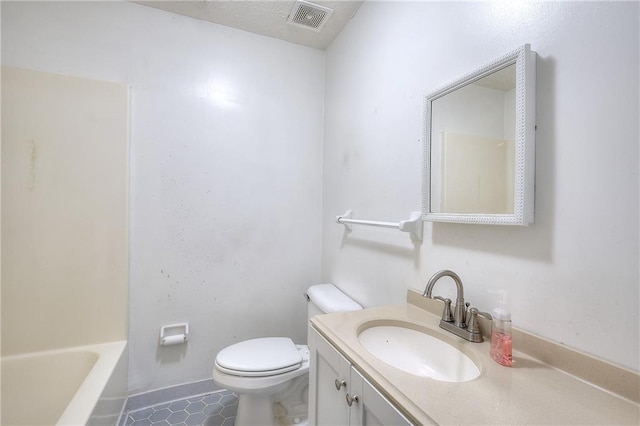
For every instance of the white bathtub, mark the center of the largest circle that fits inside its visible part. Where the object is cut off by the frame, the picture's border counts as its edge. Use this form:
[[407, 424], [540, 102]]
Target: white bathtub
[[71, 386]]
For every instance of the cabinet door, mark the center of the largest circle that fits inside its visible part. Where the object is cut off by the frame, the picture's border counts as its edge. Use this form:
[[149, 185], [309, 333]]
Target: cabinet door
[[369, 407], [328, 383]]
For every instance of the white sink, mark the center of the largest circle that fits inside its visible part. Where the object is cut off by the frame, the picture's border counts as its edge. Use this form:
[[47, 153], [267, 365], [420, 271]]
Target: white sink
[[418, 353]]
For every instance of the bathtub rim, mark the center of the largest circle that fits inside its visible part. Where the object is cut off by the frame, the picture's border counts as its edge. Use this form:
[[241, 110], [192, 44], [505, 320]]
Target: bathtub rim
[[79, 409], [86, 398]]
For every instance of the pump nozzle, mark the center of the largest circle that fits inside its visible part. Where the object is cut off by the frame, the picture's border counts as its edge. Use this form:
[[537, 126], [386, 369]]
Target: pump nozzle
[[501, 312]]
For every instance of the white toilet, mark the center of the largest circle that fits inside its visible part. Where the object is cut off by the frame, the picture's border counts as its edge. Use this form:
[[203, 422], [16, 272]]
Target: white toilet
[[270, 375]]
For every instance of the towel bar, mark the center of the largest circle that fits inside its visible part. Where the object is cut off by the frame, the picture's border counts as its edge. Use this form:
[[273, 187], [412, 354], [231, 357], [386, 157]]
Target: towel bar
[[413, 225]]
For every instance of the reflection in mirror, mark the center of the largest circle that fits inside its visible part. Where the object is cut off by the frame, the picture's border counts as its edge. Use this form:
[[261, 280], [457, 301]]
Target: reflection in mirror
[[472, 146], [479, 145]]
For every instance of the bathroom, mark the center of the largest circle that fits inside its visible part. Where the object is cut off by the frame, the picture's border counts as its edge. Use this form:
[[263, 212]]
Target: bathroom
[[244, 148]]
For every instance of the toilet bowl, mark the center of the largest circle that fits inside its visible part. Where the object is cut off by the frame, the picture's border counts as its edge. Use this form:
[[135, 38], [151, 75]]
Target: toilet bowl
[[270, 374], [258, 369]]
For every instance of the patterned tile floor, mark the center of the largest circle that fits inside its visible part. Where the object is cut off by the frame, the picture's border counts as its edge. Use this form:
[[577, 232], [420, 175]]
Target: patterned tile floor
[[214, 409]]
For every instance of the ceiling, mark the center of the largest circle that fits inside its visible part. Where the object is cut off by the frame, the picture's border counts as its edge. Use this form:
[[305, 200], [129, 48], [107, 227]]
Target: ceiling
[[265, 17]]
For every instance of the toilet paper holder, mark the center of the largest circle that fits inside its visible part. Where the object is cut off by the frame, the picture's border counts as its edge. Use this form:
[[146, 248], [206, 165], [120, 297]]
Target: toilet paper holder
[[174, 334]]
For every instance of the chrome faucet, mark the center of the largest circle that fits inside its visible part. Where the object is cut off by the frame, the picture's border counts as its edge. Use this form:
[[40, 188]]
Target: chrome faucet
[[457, 323]]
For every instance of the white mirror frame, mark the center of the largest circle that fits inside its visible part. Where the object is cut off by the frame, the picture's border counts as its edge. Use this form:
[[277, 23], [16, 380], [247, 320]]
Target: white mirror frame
[[525, 60]]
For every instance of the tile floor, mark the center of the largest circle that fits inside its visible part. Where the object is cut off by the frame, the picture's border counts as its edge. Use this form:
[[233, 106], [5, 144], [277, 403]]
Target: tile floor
[[213, 409]]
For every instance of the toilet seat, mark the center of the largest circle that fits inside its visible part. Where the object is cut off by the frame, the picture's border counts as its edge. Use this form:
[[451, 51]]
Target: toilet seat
[[262, 357]]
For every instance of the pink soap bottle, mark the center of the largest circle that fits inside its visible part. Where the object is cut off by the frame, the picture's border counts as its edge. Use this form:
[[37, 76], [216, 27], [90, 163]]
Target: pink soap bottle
[[501, 346]]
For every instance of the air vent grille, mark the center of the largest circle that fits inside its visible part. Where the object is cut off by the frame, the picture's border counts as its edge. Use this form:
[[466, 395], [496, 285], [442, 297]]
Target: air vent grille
[[309, 15]]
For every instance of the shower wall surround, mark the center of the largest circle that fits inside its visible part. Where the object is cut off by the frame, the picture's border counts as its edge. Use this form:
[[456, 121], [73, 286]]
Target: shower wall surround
[[226, 150], [64, 211], [571, 276]]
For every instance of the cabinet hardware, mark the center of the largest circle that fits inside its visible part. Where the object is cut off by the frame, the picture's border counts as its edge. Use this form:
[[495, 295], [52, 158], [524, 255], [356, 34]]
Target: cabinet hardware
[[340, 383], [352, 399]]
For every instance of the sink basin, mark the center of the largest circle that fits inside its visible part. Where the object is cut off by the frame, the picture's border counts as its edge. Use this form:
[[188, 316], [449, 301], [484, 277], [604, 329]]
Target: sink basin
[[418, 352]]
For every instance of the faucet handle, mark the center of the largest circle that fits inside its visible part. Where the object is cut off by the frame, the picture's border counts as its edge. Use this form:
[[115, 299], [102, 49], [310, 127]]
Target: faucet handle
[[447, 316], [473, 325], [467, 312], [484, 314]]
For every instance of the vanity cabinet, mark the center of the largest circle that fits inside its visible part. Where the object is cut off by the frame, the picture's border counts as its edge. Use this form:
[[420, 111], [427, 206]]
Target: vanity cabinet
[[340, 395]]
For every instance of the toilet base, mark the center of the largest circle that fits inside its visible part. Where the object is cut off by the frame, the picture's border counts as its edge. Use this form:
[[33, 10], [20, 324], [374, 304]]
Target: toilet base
[[292, 407], [283, 419], [284, 407], [255, 409]]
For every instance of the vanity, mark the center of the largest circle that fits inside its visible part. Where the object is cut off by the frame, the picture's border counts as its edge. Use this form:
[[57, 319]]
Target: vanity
[[548, 384]]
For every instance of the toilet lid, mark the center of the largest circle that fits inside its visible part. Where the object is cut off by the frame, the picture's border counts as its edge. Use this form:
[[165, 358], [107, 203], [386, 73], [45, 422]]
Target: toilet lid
[[260, 357]]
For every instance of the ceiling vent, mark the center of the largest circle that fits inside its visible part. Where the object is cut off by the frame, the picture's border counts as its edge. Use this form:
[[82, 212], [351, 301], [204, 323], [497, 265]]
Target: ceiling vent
[[308, 15]]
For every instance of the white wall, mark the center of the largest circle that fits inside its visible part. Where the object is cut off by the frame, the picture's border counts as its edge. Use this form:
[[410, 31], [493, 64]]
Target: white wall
[[573, 275], [226, 134]]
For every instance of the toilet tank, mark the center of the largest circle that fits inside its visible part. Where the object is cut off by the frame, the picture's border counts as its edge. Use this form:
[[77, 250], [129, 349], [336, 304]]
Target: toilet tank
[[327, 298]]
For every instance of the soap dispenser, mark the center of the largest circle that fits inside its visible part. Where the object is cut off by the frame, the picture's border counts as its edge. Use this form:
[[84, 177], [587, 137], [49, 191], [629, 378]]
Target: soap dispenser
[[501, 342]]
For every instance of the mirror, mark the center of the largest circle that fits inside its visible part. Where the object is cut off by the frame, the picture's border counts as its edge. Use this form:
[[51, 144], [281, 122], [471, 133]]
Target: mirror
[[480, 146]]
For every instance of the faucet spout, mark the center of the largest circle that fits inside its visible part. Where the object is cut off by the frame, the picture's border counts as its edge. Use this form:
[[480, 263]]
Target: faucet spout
[[459, 313]]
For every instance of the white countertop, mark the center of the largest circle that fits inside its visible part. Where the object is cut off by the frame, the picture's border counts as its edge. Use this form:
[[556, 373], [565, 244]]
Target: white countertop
[[530, 392]]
